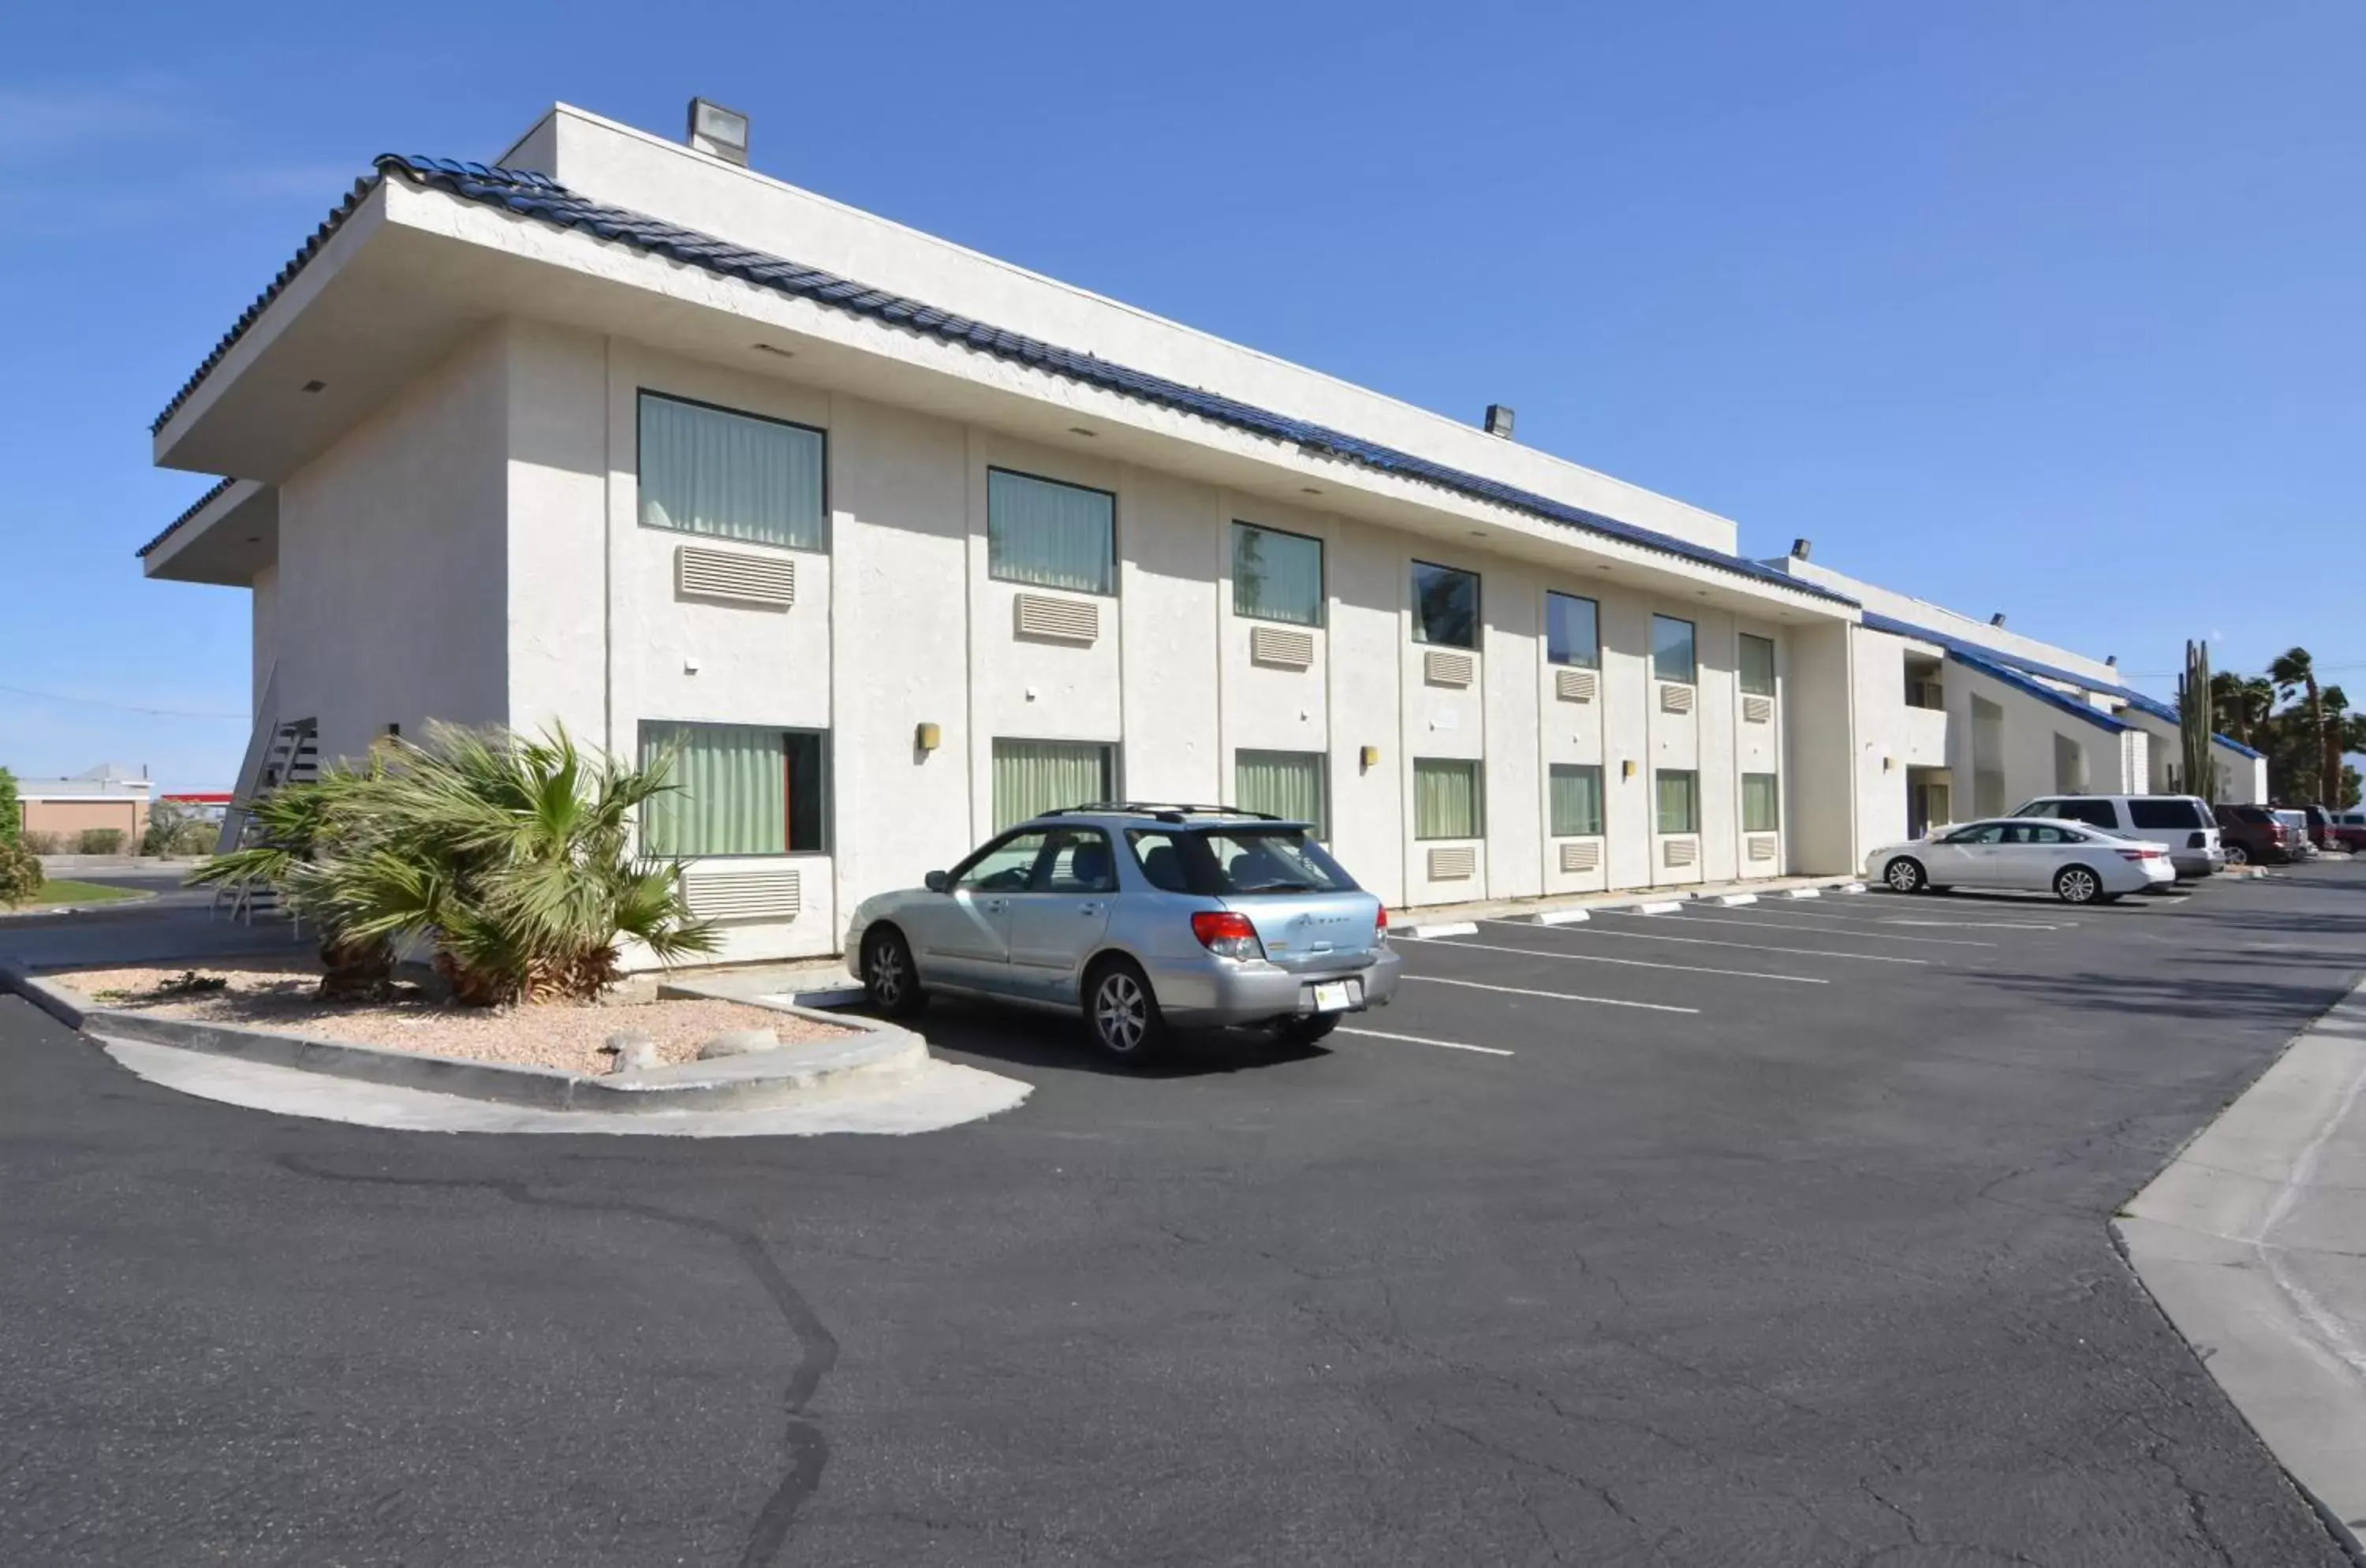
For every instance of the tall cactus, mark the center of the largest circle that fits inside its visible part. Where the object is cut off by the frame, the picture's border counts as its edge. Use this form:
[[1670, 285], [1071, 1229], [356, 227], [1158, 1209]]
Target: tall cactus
[[2193, 722]]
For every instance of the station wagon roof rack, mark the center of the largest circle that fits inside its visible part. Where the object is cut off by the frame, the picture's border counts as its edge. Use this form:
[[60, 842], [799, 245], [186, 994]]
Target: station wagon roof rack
[[1164, 811]]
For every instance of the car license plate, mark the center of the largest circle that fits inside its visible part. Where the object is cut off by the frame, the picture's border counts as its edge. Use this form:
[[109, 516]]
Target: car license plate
[[1337, 995]]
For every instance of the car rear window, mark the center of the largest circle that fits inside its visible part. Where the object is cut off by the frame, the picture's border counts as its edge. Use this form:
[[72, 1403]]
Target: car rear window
[[1235, 861], [2094, 813], [2166, 811]]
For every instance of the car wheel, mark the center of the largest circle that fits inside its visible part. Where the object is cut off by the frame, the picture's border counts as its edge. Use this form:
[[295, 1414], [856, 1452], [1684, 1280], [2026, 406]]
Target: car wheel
[[1307, 1030], [2237, 855], [2077, 884], [891, 981], [1904, 874], [1122, 1014]]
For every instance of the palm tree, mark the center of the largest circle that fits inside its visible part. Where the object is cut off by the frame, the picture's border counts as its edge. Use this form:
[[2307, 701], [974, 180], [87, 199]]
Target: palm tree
[[2294, 669], [2335, 702], [289, 834], [2241, 703]]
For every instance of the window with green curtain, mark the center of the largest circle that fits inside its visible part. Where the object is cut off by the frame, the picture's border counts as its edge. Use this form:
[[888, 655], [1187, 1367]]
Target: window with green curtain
[[1571, 632], [1444, 605], [1757, 666], [1276, 576], [1446, 799], [732, 475], [1671, 649], [1762, 803], [1050, 533], [1576, 800], [1031, 777], [739, 790], [1283, 784], [1679, 791]]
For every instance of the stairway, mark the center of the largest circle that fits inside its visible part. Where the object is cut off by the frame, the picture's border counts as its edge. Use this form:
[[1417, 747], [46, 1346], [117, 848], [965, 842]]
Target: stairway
[[282, 753]]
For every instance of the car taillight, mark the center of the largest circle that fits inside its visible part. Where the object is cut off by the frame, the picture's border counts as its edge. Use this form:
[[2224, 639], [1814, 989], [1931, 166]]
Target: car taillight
[[2139, 855], [1226, 934], [1380, 924]]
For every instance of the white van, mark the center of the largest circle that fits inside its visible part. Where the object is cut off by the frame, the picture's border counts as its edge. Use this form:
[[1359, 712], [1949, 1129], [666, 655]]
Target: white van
[[2183, 823]]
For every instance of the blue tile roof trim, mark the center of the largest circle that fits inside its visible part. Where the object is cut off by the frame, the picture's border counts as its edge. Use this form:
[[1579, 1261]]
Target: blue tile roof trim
[[540, 197], [2030, 684], [213, 492], [2160, 710]]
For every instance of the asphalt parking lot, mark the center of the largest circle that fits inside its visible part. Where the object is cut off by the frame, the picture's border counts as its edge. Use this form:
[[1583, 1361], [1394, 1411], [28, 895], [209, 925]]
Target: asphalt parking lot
[[1770, 1234]]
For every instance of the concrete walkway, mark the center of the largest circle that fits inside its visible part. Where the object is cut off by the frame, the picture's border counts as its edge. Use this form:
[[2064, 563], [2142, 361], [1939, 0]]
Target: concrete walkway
[[2254, 1242]]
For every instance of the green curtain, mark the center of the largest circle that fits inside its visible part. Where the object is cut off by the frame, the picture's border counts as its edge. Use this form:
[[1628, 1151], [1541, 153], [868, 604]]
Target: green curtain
[[1679, 800], [1054, 535], [731, 475], [1446, 799], [1282, 784], [1572, 634], [1671, 649], [1576, 800], [1762, 803], [1276, 576], [1031, 777], [1757, 666], [731, 796]]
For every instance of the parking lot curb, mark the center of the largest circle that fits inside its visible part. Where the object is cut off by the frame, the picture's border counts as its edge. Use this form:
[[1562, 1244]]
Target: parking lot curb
[[1431, 930], [1562, 917], [1803, 892], [1730, 899], [872, 1050]]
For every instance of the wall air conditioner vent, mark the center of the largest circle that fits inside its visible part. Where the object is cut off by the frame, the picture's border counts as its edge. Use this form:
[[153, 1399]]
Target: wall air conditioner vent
[[1679, 852], [1761, 846], [742, 895], [1453, 864], [701, 573], [1757, 710], [1584, 854], [1057, 620], [1441, 667], [1674, 698], [1284, 648], [1575, 685]]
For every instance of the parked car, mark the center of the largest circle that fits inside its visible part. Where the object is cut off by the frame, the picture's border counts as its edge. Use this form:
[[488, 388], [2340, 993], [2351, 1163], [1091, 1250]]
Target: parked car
[[1143, 916], [2296, 835], [2182, 822], [2253, 835], [2349, 831], [2320, 827], [2076, 863]]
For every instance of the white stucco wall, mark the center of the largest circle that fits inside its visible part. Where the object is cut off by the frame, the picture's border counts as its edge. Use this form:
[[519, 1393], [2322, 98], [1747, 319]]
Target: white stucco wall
[[649, 173], [390, 603], [264, 621]]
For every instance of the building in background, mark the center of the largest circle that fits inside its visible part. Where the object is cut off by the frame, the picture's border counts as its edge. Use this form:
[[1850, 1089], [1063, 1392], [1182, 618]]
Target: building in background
[[108, 797]]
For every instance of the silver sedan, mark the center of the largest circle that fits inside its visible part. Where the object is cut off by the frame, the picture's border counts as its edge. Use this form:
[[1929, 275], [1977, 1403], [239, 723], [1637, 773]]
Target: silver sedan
[[1143, 916], [2076, 864]]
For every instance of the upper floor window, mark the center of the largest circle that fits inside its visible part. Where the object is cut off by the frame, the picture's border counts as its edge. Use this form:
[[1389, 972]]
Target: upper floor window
[[1671, 649], [1276, 576], [1572, 634], [1444, 605], [1050, 533], [708, 470], [1757, 666]]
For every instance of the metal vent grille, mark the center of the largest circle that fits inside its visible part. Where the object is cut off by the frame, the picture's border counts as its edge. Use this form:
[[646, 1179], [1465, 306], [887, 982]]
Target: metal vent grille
[[1679, 852], [1281, 646], [1674, 698], [1575, 685], [1757, 710], [1761, 846], [728, 574], [742, 895], [1441, 667], [1063, 620], [1585, 855], [1453, 864]]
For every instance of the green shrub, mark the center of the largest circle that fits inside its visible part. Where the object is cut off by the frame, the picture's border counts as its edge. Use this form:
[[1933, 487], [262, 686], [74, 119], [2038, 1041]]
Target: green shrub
[[100, 841], [514, 858], [177, 831], [12, 815], [43, 842], [20, 873]]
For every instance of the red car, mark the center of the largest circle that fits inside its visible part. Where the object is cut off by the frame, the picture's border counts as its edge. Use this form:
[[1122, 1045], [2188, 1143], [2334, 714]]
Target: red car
[[2346, 832]]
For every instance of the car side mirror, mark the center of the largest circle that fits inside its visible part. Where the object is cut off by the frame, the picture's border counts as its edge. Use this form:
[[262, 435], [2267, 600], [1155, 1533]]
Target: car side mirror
[[937, 882]]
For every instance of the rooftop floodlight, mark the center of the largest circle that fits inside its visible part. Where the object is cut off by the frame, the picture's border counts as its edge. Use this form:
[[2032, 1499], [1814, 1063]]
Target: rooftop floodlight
[[719, 132], [1499, 420]]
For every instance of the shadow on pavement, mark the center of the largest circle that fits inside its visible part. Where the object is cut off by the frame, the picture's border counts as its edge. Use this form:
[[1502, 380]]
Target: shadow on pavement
[[1052, 1042]]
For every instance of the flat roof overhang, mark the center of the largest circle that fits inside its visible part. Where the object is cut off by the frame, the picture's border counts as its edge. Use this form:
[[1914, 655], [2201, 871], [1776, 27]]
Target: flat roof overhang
[[414, 271], [227, 537]]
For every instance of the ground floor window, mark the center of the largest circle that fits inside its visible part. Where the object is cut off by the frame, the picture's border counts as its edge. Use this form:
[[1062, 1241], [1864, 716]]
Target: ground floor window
[[1679, 791], [1576, 800], [1762, 803], [739, 790], [1031, 777], [1446, 798], [1283, 784]]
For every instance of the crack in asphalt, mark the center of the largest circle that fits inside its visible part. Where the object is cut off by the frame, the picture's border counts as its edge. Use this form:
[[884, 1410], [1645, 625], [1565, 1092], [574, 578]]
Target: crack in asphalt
[[808, 1445]]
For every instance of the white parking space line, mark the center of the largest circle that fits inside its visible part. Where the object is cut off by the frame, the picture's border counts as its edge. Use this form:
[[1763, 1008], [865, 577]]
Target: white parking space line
[[1751, 946], [1417, 1040], [1552, 996], [1708, 920], [1634, 962], [1872, 915], [1980, 925]]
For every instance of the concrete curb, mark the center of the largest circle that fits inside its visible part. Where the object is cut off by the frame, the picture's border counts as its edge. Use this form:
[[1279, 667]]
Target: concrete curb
[[761, 1077], [1730, 900], [1561, 916], [1432, 929]]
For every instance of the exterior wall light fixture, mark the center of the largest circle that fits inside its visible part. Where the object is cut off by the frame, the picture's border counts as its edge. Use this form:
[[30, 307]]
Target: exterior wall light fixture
[[928, 738], [1369, 757]]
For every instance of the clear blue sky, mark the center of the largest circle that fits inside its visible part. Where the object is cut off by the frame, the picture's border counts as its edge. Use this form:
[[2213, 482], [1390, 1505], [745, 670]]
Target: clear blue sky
[[2035, 305]]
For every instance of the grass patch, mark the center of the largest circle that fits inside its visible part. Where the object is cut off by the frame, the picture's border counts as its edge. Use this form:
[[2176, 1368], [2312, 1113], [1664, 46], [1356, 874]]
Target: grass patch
[[60, 890]]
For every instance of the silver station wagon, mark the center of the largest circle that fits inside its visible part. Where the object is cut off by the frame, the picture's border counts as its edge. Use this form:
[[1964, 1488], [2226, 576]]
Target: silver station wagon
[[1145, 918]]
